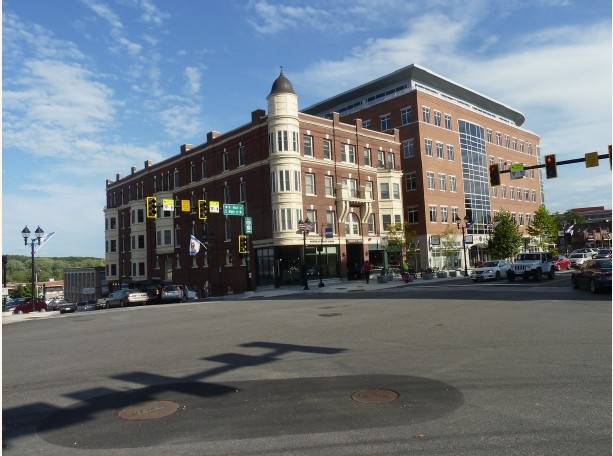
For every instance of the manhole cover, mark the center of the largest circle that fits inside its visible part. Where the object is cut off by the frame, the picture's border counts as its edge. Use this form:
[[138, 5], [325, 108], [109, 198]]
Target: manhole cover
[[149, 410], [375, 396]]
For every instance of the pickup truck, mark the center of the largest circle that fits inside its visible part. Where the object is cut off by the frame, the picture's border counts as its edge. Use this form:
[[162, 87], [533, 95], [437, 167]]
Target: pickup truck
[[123, 298]]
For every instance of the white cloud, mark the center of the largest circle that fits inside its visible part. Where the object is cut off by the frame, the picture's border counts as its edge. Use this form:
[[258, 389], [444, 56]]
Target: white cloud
[[192, 75]]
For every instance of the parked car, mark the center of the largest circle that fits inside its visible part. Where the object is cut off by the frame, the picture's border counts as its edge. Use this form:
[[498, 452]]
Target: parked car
[[595, 275], [494, 270], [561, 263], [577, 259], [11, 304], [177, 293], [68, 307], [123, 298], [26, 306], [603, 253], [85, 306], [585, 250]]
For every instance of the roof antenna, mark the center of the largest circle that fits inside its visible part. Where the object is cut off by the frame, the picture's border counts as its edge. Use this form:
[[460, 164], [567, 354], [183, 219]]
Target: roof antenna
[[281, 69]]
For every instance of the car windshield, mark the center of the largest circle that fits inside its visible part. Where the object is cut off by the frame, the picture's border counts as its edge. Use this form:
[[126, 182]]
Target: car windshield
[[490, 264], [529, 256]]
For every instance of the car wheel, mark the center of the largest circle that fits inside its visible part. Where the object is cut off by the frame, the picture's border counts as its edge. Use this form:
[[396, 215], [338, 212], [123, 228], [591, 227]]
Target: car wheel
[[121, 303], [497, 275], [511, 276], [106, 305], [593, 287], [552, 274], [538, 275], [61, 311]]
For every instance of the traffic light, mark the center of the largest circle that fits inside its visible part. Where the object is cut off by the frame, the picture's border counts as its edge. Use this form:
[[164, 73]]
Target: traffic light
[[242, 244], [551, 168], [494, 175], [152, 208], [203, 209]]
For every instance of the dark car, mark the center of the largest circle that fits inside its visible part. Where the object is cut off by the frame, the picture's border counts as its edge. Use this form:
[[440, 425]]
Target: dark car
[[67, 307], [26, 306], [594, 275], [86, 306], [561, 263], [603, 253]]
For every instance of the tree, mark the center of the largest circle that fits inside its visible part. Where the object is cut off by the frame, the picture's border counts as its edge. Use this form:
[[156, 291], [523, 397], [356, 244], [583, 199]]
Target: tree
[[449, 248], [506, 239], [544, 228]]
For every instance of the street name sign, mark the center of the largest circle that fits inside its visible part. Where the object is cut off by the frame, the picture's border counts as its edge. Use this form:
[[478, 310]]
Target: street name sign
[[233, 209]]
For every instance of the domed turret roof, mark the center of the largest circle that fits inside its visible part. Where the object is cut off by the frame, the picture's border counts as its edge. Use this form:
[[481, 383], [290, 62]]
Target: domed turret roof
[[281, 85]]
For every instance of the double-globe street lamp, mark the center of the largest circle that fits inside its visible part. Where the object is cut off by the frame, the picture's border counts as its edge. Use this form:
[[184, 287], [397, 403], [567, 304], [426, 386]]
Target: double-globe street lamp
[[38, 235], [463, 226], [304, 227]]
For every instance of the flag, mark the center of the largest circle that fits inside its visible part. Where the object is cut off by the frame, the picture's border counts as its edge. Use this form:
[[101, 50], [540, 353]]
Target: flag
[[570, 230], [194, 245], [45, 238]]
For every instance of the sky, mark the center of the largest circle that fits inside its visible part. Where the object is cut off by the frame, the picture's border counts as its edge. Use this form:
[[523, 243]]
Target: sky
[[91, 88]]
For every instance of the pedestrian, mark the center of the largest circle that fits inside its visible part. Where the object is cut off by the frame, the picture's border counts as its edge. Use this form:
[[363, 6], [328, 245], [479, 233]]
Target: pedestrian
[[366, 271], [206, 289]]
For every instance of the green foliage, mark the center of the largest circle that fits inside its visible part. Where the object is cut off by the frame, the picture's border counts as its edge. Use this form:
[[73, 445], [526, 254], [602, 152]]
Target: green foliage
[[544, 228], [19, 268], [506, 239], [449, 249]]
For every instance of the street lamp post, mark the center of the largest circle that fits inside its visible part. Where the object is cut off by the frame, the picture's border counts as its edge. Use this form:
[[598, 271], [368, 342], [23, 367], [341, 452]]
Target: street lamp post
[[462, 226], [320, 249], [304, 228], [38, 235]]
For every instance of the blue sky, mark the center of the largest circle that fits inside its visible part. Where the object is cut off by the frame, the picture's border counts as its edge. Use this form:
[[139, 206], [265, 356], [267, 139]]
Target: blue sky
[[94, 87]]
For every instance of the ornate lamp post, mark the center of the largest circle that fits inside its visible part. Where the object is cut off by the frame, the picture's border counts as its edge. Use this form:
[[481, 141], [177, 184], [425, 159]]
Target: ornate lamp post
[[462, 226], [39, 233], [320, 249], [304, 227]]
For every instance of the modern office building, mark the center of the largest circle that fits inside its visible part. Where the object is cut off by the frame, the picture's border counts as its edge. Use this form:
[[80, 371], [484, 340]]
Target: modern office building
[[409, 147]]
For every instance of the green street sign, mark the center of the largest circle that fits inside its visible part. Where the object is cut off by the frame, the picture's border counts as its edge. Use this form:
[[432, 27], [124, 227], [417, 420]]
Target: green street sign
[[233, 209], [248, 225]]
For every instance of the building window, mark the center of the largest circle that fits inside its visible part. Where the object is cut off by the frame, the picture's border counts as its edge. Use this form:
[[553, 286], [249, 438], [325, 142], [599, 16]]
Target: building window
[[367, 124], [447, 121], [329, 185], [405, 115], [503, 191], [205, 169], [489, 136], [308, 146], [526, 195], [352, 224], [286, 219], [507, 141], [495, 192], [408, 148], [410, 181], [437, 118], [452, 184], [352, 185], [368, 189], [284, 181], [367, 156], [385, 191], [330, 222], [391, 160], [396, 191], [242, 190], [439, 150], [412, 215], [113, 245], [226, 162], [371, 224], [380, 159], [309, 183], [327, 149], [312, 215], [226, 194], [386, 219], [425, 114], [430, 180], [241, 156], [348, 153], [428, 144], [294, 141], [498, 139], [192, 172], [386, 122], [442, 182], [450, 154], [432, 210], [518, 194], [444, 215]]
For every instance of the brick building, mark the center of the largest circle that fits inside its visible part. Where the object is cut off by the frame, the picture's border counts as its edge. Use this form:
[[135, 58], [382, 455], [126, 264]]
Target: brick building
[[410, 146]]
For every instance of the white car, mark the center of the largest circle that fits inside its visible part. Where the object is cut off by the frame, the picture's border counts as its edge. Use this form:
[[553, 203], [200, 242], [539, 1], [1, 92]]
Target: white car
[[577, 259], [491, 270]]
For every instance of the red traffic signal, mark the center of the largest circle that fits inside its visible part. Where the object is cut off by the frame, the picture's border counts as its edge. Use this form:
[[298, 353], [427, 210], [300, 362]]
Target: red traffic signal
[[551, 167], [494, 175]]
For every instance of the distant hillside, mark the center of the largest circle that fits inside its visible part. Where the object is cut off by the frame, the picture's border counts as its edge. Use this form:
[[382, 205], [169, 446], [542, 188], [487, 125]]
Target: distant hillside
[[19, 267]]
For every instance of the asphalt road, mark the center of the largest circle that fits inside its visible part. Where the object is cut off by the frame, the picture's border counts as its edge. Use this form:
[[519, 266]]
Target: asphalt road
[[460, 369]]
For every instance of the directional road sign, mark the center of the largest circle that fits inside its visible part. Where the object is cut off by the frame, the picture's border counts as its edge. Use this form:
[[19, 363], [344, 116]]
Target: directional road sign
[[233, 209]]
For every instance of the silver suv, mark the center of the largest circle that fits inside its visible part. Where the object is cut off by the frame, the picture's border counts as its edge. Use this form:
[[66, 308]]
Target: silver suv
[[532, 264]]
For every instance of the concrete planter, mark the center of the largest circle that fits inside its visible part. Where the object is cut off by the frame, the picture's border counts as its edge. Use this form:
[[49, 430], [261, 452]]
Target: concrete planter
[[381, 279], [453, 273], [389, 277], [441, 274], [427, 276]]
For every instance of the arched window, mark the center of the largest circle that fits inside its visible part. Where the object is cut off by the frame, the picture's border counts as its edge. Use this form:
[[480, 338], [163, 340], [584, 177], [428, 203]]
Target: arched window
[[352, 225]]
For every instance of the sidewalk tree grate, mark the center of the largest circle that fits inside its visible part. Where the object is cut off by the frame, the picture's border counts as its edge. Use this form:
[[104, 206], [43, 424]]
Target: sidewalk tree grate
[[375, 396]]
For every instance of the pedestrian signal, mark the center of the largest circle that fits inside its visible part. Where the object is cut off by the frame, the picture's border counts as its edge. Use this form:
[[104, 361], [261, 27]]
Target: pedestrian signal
[[494, 175], [551, 168], [152, 208]]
